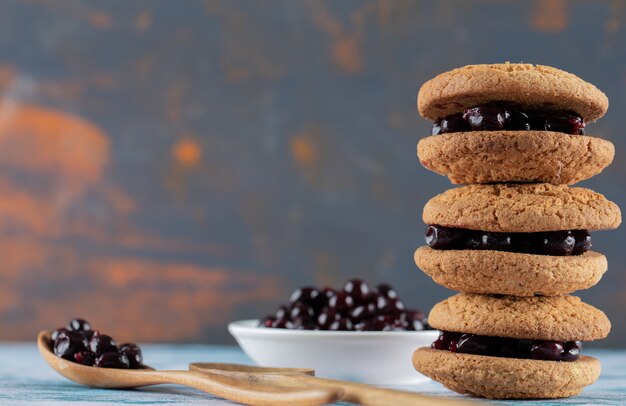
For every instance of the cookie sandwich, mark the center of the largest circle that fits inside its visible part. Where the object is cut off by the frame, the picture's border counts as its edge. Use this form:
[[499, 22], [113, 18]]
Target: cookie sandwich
[[515, 239], [507, 347], [512, 123]]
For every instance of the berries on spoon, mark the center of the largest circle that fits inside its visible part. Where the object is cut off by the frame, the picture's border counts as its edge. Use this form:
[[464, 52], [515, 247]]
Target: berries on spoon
[[80, 344]]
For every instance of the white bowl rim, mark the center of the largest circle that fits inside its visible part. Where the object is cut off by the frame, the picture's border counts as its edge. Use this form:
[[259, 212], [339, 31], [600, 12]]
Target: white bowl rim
[[252, 326]]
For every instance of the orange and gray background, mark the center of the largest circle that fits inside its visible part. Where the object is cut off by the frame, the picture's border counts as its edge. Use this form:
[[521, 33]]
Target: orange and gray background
[[167, 167]]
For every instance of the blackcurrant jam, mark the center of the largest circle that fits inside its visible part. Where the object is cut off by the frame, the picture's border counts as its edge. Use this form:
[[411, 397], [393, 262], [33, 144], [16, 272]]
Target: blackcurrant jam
[[508, 347], [506, 116], [558, 243]]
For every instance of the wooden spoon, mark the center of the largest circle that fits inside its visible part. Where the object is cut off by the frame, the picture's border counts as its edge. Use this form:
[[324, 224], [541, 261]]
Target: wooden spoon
[[224, 386], [352, 392]]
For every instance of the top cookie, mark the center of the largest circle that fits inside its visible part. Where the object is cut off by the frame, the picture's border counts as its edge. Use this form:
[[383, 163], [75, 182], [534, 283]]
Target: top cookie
[[522, 208], [534, 86]]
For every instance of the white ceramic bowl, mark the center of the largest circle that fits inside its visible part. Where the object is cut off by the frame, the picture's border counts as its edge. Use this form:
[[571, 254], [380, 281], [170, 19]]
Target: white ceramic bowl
[[376, 357]]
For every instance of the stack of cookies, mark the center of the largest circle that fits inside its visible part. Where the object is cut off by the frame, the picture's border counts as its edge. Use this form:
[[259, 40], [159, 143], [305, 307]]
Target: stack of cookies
[[515, 241]]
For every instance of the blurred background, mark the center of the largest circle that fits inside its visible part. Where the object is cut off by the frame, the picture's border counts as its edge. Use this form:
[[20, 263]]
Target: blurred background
[[167, 167]]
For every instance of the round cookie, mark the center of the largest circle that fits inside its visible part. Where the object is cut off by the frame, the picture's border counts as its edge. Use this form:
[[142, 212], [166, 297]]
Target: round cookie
[[510, 273], [557, 318], [515, 156], [522, 208], [506, 378], [534, 86]]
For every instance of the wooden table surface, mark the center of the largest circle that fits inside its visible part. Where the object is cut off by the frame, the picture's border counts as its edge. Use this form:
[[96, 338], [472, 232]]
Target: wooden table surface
[[26, 379]]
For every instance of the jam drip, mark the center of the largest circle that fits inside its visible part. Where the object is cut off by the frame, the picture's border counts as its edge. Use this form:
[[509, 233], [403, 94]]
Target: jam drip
[[506, 116], [508, 347], [558, 243]]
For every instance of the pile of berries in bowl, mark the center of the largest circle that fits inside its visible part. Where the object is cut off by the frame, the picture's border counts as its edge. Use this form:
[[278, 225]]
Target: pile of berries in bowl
[[354, 332], [79, 343], [355, 307]]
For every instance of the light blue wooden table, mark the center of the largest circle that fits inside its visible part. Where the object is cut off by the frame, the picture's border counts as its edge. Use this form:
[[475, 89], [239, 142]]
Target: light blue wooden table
[[26, 379]]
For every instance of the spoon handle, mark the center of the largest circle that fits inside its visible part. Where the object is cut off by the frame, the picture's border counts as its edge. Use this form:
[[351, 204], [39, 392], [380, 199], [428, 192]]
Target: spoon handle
[[352, 392], [248, 392], [374, 396]]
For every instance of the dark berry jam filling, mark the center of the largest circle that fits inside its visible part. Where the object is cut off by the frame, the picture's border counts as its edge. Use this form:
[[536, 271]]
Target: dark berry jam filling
[[77, 342], [501, 115], [354, 307], [559, 243], [508, 347]]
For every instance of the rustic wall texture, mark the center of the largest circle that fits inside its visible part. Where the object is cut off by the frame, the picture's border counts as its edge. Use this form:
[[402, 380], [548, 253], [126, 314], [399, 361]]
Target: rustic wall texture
[[166, 167]]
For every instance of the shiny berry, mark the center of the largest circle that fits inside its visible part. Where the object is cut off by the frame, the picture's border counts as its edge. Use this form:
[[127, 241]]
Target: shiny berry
[[341, 301], [327, 293], [341, 325], [496, 241], [453, 124], [440, 345], [134, 354], [387, 291], [67, 344], [412, 320], [101, 343], [444, 340], [571, 351], [79, 325], [416, 325], [546, 350], [326, 317], [363, 312], [557, 243], [282, 312], [487, 117], [565, 122], [308, 295], [436, 129], [113, 359], [282, 323], [473, 344], [58, 331], [357, 289], [302, 311], [85, 358], [390, 306], [438, 237], [583, 242], [518, 121]]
